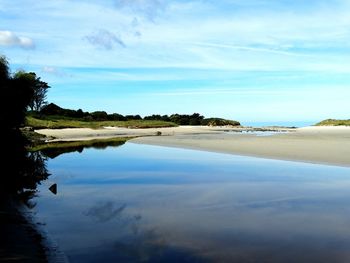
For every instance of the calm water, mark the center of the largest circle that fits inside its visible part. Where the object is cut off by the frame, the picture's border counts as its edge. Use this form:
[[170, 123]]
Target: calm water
[[281, 123], [139, 203]]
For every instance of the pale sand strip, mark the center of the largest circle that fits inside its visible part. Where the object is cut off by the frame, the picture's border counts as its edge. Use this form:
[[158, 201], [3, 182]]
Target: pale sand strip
[[327, 145], [76, 134]]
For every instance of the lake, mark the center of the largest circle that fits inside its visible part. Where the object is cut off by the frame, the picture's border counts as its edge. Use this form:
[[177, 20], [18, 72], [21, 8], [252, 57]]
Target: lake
[[140, 203]]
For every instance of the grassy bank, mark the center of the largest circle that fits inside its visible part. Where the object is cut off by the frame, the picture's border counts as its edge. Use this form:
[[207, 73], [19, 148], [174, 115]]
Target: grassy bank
[[54, 123], [333, 122]]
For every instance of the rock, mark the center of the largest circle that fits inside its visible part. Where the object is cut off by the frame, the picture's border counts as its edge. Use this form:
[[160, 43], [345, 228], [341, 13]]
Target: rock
[[53, 188]]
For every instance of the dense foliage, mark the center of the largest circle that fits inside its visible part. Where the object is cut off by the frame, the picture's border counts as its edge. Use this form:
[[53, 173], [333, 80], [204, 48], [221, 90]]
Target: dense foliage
[[52, 111], [16, 94], [39, 89]]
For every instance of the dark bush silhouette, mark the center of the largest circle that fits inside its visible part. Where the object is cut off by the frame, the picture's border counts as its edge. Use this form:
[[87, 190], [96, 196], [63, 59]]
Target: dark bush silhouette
[[99, 116], [194, 119], [154, 117], [54, 110], [16, 94], [116, 117], [21, 171], [133, 117], [39, 88]]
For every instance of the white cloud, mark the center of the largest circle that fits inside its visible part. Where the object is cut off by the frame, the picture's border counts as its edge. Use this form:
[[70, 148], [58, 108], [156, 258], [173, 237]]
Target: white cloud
[[186, 34], [49, 69], [55, 71], [8, 38], [105, 39], [149, 9]]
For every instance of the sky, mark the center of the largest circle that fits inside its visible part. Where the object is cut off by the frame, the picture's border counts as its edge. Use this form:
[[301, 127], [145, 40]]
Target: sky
[[273, 61]]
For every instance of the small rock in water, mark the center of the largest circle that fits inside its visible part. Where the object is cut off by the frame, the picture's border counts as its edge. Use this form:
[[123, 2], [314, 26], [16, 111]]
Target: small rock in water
[[53, 188]]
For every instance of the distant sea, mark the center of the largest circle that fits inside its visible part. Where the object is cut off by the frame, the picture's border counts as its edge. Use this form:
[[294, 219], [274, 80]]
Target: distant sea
[[280, 123]]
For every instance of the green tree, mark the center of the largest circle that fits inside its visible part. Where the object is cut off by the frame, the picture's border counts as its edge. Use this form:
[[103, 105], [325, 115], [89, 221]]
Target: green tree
[[4, 70], [99, 115], [16, 93], [39, 88]]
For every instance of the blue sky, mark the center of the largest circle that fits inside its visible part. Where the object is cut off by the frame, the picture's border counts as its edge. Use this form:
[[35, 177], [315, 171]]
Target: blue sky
[[249, 60]]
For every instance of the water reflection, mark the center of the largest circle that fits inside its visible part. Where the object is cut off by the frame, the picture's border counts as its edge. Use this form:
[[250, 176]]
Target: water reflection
[[22, 171], [134, 241], [141, 203], [57, 149], [105, 211]]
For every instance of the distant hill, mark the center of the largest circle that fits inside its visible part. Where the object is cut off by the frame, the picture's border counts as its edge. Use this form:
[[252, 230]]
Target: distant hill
[[333, 122]]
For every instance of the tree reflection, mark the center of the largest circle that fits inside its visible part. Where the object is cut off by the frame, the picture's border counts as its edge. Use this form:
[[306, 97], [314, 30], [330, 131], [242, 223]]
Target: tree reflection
[[53, 150], [22, 171]]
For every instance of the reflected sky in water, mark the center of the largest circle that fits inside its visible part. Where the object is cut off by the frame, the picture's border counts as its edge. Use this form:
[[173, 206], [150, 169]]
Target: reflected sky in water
[[140, 203]]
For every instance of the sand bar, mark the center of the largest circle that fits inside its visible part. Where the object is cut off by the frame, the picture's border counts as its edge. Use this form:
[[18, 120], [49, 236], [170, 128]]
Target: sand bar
[[325, 145], [77, 134]]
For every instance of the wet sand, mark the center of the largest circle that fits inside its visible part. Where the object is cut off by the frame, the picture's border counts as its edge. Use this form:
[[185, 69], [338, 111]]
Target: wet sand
[[325, 145]]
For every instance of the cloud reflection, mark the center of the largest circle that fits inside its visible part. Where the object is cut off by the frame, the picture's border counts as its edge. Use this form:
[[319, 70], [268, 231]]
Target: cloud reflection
[[105, 211], [239, 209]]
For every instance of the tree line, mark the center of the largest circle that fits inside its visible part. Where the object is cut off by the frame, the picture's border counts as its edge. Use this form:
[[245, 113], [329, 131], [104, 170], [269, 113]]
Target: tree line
[[53, 110]]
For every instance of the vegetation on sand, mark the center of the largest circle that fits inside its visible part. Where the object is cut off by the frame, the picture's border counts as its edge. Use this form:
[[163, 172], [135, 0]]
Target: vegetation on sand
[[333, 122], [219, 122]]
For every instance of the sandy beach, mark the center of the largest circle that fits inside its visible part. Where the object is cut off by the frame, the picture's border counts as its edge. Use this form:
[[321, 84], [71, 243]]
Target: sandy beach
[[79, 134], [325, 145]]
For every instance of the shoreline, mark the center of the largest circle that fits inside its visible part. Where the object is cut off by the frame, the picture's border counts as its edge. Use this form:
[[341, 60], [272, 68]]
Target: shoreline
[[81, 134], [315, 144], [261, 156], [21, 239]]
